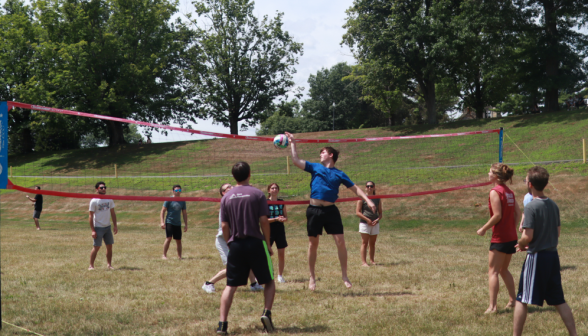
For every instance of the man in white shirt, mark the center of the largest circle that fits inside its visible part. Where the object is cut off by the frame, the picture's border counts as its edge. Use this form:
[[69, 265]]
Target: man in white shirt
[[101, 210]]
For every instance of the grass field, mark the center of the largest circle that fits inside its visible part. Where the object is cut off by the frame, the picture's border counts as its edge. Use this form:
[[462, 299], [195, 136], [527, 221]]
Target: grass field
[[431, 277]]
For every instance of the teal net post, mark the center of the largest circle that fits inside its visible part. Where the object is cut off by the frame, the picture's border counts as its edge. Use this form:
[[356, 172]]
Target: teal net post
[[3, 166], [500, 140]]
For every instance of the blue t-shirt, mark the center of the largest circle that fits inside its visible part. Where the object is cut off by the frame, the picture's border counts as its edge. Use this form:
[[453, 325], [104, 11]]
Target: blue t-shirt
[[174, 212], [325, 182], [528, 198]]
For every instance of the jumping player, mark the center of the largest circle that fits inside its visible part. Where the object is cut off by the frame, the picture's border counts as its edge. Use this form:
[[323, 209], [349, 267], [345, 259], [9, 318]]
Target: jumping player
[[322, 211], [172, 223], [244, 212], [540, 277]]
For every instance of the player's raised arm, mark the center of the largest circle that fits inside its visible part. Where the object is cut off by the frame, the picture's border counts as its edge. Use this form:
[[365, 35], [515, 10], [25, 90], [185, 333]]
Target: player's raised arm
[[295, 159]]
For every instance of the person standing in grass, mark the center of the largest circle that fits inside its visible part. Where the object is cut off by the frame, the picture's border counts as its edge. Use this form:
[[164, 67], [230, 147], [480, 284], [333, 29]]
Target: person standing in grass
[[369, 223], [246, 229], [504, 214], [38, 204], [540, 276], [322, 211], [223, 250], [277, 217], [101, 211], [172, 223]]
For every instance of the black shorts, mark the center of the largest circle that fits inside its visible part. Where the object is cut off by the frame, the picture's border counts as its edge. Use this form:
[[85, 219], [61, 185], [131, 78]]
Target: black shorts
[[278, 235], [541, 280], [36, 214], [508, 248], [327, 217], [174, 231], [245, 255]]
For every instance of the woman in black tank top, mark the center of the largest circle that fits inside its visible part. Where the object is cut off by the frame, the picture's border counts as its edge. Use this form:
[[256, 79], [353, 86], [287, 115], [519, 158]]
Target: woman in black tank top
[[369, 224], [277, 217]]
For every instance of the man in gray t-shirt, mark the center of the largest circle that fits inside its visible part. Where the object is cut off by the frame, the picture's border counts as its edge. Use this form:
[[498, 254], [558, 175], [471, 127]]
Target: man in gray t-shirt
[[540, 277], [172, 222]]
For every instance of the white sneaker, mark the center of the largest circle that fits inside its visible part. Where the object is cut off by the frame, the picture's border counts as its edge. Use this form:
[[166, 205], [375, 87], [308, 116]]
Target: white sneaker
[[255, 288], [281, 279], [208, 288]]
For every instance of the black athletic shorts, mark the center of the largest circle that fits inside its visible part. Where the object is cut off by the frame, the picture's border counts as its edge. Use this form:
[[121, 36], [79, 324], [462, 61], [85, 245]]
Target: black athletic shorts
[[508, 248], [245, 255], [327, 217], [541, 280], [278, 235], [174, 231]]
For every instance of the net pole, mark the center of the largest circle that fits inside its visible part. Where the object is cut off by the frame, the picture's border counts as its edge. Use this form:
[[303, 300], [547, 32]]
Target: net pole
[[3, 170], [500, 144]]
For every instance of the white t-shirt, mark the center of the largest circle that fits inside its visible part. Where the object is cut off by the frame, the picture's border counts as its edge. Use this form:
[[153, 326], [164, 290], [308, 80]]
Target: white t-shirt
[[101, 209]]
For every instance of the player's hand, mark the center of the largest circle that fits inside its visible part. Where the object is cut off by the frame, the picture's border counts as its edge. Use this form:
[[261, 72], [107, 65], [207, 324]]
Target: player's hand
[[368, 221], [115, 229], [372, 206], [94, 235], [290, 137], [27, 196], [521, 228], [284, 219], [186, 228], [481, 232], [521, 248], [271, 252], [162, 226], [375, 222]]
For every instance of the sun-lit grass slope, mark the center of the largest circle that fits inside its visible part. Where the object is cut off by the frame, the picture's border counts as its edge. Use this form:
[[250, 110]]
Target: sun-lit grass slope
[[203, 165]]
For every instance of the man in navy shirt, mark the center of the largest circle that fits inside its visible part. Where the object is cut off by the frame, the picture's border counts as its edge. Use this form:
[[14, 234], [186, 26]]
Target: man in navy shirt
[[172, 223], [322, 211]]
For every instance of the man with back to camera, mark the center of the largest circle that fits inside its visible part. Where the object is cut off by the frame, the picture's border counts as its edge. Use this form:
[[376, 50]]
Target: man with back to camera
[[172, 223], [38, 204], [540, 277], [322, 211], [244, 212], [101, 210]]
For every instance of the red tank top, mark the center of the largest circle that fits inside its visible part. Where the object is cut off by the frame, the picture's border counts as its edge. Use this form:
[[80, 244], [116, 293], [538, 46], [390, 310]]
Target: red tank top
[[505, 231]]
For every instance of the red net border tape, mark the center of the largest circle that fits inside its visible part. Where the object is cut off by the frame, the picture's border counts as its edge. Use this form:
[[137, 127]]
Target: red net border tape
[[211, 199], [12, 104]]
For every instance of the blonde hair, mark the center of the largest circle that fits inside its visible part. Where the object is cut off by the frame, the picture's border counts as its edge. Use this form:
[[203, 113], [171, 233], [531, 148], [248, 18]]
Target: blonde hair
[[503, 172]]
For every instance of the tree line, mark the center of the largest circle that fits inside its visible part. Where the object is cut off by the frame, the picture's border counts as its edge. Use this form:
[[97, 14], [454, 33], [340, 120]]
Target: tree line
[[416, 60]]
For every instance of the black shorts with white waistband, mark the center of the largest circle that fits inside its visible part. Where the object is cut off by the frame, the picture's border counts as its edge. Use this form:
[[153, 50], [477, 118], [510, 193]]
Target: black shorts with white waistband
[[245, 255], [328, 217]]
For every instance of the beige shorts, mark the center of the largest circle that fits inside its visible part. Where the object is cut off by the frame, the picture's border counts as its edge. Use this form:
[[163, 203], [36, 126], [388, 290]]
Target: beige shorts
[[369, 229]]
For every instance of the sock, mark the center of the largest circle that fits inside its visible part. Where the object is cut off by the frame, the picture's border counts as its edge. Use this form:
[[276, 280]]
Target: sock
[[253, 284], [267, 312], [209, 283]]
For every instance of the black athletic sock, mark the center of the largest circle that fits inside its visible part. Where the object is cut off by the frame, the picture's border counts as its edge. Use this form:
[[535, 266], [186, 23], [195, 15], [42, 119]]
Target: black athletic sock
[[209, 283], [267, 312], [223, 326]]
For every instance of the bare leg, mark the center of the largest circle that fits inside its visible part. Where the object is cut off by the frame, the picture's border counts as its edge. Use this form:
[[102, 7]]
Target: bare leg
[[508, 281], [37, 223], [365, 239], [312, 252], [568, 318], [520, 316], [109, 256], [269, 292], [342, 253], [93, 254], [281, 257], [179, 247], [166, 247], [219, 276], [495, 262], [373, 249], [226, 301]]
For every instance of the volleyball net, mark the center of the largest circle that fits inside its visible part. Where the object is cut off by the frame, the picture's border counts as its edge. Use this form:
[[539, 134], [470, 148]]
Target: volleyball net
[[399, 165]]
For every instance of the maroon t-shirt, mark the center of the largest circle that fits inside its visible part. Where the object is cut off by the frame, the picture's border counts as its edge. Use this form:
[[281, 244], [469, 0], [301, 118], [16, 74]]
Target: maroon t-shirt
[[241, 207]]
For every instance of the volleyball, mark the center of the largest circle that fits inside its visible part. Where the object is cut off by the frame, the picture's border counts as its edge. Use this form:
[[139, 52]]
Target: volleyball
[[281, 141]]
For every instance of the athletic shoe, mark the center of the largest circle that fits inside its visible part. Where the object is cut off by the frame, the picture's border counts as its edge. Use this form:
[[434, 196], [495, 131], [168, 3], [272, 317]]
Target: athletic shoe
[[256, 288], [281, 279], [266, 320], [222, 328], [208, 288]]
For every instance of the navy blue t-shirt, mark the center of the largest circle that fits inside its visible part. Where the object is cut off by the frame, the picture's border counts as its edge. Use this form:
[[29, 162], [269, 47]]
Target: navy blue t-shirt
[[174, 212], [325, 182]]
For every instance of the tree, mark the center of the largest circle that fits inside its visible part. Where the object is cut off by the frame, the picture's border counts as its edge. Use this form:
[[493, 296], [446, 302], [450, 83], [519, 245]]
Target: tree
[[240, 64], [290, 117], [404, 35], [118, 58]]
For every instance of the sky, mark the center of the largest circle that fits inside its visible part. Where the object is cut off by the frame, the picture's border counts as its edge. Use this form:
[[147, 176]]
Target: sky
[[317, 24]]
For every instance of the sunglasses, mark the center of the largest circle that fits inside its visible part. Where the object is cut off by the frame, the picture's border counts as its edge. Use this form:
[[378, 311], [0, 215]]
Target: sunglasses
[[177, 190], [102, 188], [370, 186]]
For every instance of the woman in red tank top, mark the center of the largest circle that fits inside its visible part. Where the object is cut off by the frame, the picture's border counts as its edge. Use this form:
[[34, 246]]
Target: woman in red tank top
[[504, 214]]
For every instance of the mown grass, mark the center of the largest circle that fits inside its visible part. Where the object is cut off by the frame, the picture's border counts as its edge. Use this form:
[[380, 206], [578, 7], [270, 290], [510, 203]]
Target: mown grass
[[431, 278]]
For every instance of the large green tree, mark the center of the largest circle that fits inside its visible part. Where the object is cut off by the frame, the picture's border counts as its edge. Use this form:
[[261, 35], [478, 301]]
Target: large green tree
[[240, 64], [121, 58]]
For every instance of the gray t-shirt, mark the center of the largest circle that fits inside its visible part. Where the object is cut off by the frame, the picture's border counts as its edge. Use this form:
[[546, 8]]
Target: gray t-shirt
[[542, 215], [242, 207], [174, 212]]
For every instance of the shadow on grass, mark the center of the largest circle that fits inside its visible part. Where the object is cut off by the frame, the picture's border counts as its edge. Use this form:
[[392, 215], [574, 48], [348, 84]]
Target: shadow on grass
[[397, 263], [565, 268], [129, 268], [303, 280], [380, 294], [537, 309], [305, 330]]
